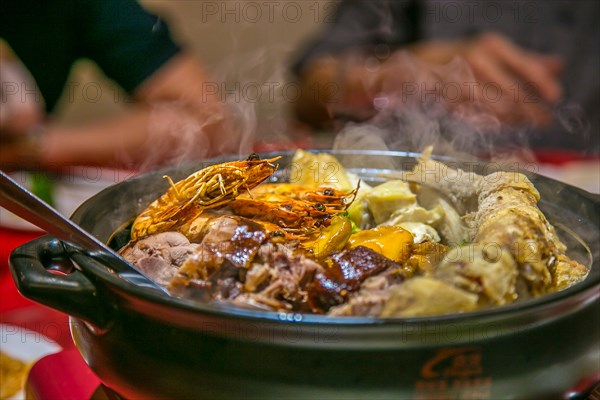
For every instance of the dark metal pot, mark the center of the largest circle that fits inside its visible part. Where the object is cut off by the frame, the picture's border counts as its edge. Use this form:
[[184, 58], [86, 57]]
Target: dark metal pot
[[146, 345]]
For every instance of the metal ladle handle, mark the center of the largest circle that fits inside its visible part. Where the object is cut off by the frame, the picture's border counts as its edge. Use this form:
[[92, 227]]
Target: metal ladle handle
[[20, 201]]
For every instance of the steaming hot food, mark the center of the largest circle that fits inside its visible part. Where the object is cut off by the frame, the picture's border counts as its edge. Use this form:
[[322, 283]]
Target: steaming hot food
[[331, 245]]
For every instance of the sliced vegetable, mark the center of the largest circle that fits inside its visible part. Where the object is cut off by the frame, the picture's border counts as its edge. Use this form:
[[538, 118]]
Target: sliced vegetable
[[330, 239], [358, 212]]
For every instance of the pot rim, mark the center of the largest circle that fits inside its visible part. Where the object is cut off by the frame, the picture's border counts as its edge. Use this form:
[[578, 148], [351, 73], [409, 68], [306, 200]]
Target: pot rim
[[581, 293]]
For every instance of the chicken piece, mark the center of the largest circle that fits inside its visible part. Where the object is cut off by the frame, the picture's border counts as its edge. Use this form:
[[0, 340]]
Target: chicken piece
[[486, 271], [389, 197], [423, 296], [502, 211], [567, 273], [460, 187], [424, 257], [450, 227]]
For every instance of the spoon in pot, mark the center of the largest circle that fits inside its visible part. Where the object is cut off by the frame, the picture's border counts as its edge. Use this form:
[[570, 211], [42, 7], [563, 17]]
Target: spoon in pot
[[20, 201]]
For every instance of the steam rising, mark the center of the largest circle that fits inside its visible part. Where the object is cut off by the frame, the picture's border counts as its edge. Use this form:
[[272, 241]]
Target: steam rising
[[184, 134], [416, 104], [572, 118], [421, 105]]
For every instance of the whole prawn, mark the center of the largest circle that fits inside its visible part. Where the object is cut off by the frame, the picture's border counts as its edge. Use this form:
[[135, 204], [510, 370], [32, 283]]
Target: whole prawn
[[207, 188], [297, 210]]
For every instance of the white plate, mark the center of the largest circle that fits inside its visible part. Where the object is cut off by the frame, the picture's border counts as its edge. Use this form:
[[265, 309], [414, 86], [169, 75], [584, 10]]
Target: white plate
[[25, 345]]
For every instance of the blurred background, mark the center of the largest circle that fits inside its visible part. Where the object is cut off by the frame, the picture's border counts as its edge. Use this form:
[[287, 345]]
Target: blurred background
[[246, 45], [248, 48]]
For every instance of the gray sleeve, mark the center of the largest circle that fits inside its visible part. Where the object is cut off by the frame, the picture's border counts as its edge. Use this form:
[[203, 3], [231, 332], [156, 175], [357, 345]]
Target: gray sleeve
[[363, 24]]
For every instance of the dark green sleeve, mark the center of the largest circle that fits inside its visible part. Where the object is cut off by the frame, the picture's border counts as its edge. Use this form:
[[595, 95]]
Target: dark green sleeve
[[127, 42]]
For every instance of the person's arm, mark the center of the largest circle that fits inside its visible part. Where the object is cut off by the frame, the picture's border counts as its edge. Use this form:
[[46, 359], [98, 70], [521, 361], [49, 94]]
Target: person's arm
[[334, 80], [177, 116], [335, 88], [344, 71], [514, 84]]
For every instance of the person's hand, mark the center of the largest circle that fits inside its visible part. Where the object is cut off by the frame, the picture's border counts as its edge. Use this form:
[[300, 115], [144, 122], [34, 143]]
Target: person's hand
[[516, 84]]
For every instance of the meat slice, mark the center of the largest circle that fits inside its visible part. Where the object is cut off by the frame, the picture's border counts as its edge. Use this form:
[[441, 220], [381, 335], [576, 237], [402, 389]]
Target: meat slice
[[159, 256], [345, 273], [370, 298], [212, 271]]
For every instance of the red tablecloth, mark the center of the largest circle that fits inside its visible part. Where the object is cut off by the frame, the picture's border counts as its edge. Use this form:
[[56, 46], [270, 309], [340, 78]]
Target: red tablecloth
[[63, 375], [16, 309]]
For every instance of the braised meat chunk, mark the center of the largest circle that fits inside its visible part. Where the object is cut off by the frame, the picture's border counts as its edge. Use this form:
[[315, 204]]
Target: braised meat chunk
[[345, 272], [227, 249]]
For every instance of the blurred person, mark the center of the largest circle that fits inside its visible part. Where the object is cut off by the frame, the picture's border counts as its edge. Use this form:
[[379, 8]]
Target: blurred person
[[172, 117], [531, 64]]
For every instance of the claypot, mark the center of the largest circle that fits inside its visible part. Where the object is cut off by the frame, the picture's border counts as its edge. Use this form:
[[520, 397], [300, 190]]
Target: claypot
[[144, 344]]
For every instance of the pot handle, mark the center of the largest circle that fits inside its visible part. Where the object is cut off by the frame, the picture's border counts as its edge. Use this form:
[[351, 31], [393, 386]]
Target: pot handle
[[43, 272]]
